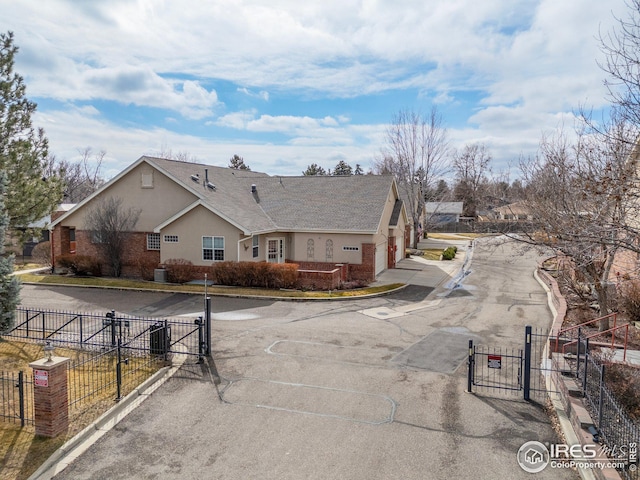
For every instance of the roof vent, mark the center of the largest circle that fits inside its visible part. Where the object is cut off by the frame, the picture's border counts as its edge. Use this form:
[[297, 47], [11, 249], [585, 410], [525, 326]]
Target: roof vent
[[254, 189], [211, 186], [195, 178]]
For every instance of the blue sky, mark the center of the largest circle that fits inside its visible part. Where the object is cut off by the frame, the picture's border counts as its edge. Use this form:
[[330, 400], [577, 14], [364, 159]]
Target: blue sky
[[286, 83]]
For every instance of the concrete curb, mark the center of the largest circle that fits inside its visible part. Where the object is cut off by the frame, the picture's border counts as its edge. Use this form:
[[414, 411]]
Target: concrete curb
[[77, 445], [228, 295]]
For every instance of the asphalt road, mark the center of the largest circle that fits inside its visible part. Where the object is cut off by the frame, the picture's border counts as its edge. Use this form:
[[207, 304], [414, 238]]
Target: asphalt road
[[360, 389]]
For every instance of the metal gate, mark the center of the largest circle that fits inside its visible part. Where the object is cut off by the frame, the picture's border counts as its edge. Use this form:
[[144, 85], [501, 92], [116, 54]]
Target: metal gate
[[511, 371], [110, 330]]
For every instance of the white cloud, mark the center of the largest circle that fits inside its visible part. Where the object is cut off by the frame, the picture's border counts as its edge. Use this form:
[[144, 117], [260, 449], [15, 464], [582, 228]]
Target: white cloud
[[264, 95], [72, 129], [529, 62]]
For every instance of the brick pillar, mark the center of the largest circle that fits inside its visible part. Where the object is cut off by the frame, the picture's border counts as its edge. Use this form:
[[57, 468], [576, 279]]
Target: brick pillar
[[51, 402]]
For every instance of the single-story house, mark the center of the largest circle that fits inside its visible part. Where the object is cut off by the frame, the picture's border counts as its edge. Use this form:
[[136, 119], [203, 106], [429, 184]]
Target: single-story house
[[514, 211], [207, 214], [443, 212]]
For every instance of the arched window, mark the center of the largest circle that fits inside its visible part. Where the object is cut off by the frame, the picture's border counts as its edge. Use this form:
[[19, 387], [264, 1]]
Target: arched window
[[329, 250]]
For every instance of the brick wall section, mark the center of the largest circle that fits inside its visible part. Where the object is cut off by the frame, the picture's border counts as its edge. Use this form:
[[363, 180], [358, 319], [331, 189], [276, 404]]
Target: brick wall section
[[60, 241], [320, 280], [51, 403], [135, 255], [367, 270], [319, 266]]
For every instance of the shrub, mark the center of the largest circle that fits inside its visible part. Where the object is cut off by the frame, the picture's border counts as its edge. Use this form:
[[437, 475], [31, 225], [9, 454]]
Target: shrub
[[256, 274], [180, 270], [624, 383], [80, 265], [449, 253], [285, 275], [146, 267], [42, 253], [629, 299]]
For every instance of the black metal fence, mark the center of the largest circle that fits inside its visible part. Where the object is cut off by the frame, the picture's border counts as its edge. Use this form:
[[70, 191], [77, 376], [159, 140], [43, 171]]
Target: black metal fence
[[524, 372], [110, 374], [110, 354], [16, 397], [615, 427], [102, 330], [511, 371], [495, 369]]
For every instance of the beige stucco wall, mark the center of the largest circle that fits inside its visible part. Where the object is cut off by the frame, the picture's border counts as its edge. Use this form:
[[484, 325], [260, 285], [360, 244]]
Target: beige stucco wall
[[298, 247], [157, 204], [190, 229]]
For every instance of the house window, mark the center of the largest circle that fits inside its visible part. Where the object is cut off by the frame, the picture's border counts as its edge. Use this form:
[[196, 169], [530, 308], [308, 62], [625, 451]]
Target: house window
[[96, 237], [153, 241], [329, 250], [147, 179], [350, 249], [255, 243], [310, 249], [213, 248], [72, 240], [171, 239]]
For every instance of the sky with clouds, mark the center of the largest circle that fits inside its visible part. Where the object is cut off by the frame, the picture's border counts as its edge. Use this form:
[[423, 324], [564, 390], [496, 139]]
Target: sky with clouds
[[284, 83]]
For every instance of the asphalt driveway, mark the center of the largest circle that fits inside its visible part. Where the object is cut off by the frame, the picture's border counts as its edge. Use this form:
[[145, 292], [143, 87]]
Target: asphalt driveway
[[359, 389]]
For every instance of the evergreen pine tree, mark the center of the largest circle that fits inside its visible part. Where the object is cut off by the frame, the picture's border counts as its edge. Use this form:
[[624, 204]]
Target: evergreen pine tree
[[31, 193], [9, 285]]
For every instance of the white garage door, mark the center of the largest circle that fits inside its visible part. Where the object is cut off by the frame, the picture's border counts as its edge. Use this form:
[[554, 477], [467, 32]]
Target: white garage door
[[400, 252], [381, 257]]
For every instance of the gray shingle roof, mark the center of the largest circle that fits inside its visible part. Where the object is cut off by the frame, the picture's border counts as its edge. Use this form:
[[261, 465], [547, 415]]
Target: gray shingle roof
[[444, 207], [315, 203]]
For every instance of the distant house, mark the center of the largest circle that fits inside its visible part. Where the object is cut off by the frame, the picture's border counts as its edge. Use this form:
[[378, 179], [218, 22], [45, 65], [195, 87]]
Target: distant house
[[20, 245], [437, 213], [207, 214], [517, 211]]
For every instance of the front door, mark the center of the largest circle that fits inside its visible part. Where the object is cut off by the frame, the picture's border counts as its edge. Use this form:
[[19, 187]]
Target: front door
[[275, 250]]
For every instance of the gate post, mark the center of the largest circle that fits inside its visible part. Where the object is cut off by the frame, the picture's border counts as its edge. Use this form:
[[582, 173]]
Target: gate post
[[527, 363], [470, 367], [207, 325], [20, 387], [586, 359], [578, 352], [50, 398]]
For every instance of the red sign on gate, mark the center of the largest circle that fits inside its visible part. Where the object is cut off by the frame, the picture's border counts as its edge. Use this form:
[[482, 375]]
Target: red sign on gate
[[41, 378], [494, 361]]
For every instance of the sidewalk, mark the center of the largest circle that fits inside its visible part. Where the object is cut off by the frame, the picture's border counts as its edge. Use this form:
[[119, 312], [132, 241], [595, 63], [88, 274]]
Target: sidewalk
[[438, 274]]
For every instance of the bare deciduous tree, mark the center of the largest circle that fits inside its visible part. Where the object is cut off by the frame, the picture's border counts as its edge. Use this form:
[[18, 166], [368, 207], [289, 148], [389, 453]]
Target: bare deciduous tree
[[81, 178], [110, 225], [471, 167], [576, 193], [416, 153], [622, 51], [181, 156]]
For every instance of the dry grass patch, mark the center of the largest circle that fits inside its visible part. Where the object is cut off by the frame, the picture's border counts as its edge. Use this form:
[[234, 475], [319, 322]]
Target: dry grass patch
[[432, 253], [21, 451]]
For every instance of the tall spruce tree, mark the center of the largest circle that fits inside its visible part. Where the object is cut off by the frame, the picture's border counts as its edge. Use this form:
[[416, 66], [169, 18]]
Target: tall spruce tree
[[31, 194], [9, 285]]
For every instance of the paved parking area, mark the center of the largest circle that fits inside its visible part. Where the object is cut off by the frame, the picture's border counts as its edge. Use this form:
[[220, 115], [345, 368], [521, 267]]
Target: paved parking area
[[358, 389]]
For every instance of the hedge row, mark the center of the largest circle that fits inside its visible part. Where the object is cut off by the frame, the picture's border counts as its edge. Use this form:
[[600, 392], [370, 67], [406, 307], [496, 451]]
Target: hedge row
[[241, 274], [80, 265]]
